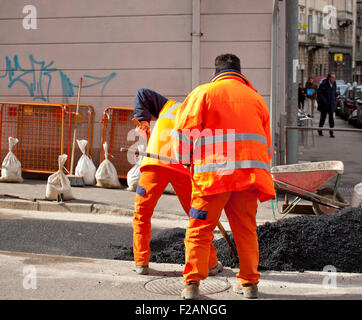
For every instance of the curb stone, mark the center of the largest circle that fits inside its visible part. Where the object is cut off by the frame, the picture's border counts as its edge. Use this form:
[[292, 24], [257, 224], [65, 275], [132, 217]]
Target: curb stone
[[95, 208]]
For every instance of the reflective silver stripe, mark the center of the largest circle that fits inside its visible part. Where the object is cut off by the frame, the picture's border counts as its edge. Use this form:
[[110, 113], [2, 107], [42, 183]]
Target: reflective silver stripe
[[180, 136], [178, 157], [184, 159], [168, 114], [230, 137], [270, 149], [245, 164]]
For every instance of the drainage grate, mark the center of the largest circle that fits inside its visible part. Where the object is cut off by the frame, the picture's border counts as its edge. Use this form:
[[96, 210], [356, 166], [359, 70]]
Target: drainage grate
[[174, 285]]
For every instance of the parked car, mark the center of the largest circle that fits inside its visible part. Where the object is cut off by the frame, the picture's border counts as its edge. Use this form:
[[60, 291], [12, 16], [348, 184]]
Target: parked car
[[348, 103], [340, 82], [352, 101], [318, 80], [341, 91], [358, 117]]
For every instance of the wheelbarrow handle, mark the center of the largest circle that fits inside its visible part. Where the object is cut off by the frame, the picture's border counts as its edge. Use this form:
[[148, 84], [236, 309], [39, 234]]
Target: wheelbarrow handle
[[304, 194], [227, 239]]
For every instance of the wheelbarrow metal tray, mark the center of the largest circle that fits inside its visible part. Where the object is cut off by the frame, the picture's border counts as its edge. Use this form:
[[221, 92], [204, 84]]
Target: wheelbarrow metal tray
[[308, 176]]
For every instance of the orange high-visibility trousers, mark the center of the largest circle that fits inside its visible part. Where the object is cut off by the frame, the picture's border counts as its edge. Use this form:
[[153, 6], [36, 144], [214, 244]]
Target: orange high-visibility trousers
[[151, 185], [240, 208]]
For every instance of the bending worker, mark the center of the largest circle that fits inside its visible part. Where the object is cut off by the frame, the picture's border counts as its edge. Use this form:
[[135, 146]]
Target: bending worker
[[157, 174], [223, 131]]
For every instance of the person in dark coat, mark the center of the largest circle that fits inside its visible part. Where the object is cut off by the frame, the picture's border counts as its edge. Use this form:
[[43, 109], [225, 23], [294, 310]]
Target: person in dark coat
[[326, 98], [301, 96]]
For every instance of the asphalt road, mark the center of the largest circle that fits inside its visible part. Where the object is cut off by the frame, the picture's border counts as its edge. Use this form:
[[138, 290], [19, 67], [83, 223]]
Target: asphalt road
[[65, 238]]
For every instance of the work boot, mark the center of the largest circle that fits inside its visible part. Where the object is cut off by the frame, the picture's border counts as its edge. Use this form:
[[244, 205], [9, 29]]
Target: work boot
[[143, 270], [250, 290], [214, 271], [191, 291]]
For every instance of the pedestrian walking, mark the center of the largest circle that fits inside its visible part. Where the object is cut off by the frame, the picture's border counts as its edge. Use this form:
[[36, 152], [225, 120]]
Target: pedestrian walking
[[327, 93], [301, 96], [224, 115], [311, 90]]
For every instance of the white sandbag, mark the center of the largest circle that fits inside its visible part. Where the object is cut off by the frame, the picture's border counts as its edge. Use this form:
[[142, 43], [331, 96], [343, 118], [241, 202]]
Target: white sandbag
[[106, 174], [85, 166], [356, 200], [11, 166], [134, 174], [58, 183]]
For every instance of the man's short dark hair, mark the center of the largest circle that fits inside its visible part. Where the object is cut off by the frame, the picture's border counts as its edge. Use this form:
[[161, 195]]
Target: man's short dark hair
[[227, 61], [330, 74]]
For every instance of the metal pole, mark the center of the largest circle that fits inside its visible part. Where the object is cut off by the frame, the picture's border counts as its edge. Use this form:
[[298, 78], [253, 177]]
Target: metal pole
[[273, 91], [196, 35], [292, 78]]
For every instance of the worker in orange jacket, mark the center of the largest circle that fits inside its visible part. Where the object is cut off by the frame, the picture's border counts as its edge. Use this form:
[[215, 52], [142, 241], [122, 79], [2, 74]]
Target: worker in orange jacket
[[157, 174], [223, 131]]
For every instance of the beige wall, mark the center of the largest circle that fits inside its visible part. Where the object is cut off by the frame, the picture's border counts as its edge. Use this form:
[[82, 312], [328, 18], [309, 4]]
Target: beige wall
[[243, 28], [121, 46]]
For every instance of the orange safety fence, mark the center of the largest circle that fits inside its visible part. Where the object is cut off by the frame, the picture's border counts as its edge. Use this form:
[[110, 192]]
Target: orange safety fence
[[44, 132], [85, 126], [117, 122]]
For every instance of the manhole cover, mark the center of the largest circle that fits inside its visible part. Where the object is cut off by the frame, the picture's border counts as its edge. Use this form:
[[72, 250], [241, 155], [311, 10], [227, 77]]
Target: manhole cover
[[174, 285]]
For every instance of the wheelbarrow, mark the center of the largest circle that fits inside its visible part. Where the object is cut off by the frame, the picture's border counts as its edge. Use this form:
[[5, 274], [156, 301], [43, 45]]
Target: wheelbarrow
[[306, 181]]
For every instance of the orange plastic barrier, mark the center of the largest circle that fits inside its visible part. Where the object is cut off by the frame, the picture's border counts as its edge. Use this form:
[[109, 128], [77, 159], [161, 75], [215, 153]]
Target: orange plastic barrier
[[85, 127], [117, 122], [44, 131]]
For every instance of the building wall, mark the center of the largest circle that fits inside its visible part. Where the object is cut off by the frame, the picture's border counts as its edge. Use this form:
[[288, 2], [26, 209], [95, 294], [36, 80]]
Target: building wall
[[358, 54], [313, 48], [317, 48], [121, 46], [341, 42], [243, 28]]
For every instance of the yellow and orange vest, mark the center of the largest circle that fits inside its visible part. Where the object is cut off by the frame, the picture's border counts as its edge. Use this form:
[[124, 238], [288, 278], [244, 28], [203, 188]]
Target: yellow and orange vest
[[160, 140]]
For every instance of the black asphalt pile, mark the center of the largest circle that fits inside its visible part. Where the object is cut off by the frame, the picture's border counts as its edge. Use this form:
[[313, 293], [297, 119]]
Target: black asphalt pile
[[313, 242], [167, 247], [292, 244]]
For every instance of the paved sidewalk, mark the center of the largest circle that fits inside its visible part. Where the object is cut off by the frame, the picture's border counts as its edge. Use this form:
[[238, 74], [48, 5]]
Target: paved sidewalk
[[344, 147], [97, 200], [39, 276]]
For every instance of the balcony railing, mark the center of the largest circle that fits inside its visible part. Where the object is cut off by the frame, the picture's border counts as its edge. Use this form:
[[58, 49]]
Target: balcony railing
[[345, 16]]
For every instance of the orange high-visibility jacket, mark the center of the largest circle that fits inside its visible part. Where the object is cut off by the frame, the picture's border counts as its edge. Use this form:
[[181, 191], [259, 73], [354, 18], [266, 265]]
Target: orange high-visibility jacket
[[223, 130], [160, 139]]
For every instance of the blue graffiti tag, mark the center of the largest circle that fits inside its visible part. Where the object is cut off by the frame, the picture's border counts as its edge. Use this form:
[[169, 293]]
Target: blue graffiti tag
[[34, 83]]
